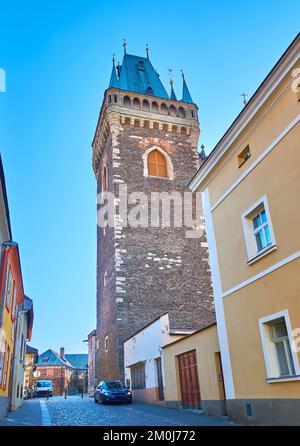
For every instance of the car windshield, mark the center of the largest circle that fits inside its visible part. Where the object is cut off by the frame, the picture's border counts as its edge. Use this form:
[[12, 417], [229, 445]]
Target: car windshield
[[44, 384], [113, 385]]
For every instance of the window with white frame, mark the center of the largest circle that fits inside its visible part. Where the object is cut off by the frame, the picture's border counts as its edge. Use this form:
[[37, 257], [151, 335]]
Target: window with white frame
[[276, 334], [258, 230], [281, 345]]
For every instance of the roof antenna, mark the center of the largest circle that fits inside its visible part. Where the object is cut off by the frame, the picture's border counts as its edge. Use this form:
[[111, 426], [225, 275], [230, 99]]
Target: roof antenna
[[244, 95], [124, 45], [147, 50]]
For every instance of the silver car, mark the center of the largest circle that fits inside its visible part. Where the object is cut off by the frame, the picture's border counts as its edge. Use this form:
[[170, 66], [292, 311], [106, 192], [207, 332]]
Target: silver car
[[43, 388]]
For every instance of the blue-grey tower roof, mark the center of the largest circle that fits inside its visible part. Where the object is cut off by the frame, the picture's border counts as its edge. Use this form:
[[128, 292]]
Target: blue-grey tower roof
[[137, 74], [172, 95], [186, 96], [113, 83]]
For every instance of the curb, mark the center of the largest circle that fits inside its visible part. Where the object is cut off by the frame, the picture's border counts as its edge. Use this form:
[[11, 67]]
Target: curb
[[46, 419]]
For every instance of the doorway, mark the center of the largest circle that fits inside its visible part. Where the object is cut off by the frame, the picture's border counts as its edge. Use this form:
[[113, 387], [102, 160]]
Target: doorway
[[189, 382]]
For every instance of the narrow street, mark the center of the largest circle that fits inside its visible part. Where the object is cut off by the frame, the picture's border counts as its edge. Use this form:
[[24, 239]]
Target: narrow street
[[75, 411]]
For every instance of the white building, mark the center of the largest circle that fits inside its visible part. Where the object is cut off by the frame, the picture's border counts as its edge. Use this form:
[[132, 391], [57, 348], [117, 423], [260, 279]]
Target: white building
[[143, 359]]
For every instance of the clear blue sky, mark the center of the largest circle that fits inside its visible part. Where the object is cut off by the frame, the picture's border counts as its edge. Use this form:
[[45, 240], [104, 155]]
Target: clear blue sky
[[57, 56]]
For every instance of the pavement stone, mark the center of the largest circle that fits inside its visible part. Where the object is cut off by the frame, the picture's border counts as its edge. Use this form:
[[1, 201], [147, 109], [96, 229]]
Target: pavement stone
[[29, 414], [77, 411]]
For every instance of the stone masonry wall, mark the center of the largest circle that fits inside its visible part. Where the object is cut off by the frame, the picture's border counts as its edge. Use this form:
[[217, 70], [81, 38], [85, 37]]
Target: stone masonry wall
[[150, 270]]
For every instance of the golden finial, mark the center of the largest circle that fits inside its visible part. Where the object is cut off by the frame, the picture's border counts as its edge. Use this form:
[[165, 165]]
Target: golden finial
[[171, 76]]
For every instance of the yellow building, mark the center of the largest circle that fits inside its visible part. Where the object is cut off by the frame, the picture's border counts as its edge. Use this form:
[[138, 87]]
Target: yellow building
[[250, 188], [30, 364], [193, 372]]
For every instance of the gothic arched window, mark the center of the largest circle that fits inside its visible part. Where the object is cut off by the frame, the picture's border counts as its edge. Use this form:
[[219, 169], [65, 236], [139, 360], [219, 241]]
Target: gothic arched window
[[157, 164]]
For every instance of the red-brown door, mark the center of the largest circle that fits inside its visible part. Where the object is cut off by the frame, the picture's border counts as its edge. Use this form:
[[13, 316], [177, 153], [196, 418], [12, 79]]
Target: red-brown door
[[189, 383]]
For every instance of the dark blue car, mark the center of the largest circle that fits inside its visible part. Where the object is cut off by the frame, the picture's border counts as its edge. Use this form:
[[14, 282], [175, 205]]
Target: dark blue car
[[112, 392]]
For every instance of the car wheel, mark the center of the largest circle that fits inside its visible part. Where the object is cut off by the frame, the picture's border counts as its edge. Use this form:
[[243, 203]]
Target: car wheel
[[102, 401], [95, 399], [129, 401]]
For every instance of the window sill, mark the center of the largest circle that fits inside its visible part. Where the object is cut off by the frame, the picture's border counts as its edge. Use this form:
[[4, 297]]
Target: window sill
[[262, 254], [161, 178], [283, 379]]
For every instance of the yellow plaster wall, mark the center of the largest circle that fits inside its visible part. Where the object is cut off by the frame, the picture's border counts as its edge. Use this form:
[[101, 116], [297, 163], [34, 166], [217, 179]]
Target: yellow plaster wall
[[6, 334], [277, 177], [206, 344], [269, 123], [276, 292]]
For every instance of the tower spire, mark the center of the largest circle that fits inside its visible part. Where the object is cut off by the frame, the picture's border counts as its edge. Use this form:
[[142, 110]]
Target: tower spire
[[186, 96], [172, 95], [113, 83], [124, 45]]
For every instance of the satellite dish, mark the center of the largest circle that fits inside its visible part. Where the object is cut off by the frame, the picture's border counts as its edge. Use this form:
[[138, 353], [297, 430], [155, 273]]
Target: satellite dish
[[36, 374]]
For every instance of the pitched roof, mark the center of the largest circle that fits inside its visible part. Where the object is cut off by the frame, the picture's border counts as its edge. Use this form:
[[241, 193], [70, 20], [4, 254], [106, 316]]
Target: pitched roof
[[30, 349], [113, 83], [186, 96], [51, 358], [138, 75], [79, 361]]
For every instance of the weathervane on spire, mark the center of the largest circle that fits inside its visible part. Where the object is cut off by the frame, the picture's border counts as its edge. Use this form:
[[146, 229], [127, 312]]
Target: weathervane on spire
[[113, 59], [147, 50], [124, 45], [244, 95], [182, 73]]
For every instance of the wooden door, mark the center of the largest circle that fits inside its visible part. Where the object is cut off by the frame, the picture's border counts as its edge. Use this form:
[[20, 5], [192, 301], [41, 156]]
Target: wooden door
[[189, 382], [160, 384]]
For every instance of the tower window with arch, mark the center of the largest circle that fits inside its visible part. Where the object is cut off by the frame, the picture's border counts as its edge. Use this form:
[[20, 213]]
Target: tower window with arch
[[157, 164]]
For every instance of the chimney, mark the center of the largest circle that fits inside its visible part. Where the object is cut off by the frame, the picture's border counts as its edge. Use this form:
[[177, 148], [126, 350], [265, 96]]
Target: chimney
[[62, 353]]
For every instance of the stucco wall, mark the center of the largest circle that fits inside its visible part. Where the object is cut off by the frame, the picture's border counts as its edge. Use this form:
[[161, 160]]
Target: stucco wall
[[206, 344], [146, 346], [277, 291]]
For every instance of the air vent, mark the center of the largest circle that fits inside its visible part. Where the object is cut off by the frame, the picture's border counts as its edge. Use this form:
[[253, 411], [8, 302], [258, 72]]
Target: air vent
[[249, 410]]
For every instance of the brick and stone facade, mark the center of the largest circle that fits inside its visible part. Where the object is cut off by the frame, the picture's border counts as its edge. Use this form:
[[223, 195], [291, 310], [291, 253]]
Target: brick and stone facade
[[145, 272]]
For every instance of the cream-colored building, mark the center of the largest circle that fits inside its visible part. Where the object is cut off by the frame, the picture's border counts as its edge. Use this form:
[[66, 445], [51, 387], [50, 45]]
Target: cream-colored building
[[143, 359], [250, 187], [193, 372]]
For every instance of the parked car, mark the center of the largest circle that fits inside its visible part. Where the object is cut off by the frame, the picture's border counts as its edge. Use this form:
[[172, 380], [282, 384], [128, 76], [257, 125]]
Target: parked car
[[112, 392], [43, 388]]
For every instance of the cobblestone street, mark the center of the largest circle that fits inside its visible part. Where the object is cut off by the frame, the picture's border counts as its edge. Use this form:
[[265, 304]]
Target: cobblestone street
[[75, 411]]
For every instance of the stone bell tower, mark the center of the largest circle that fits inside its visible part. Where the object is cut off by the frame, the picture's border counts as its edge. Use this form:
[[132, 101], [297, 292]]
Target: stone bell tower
[[147, 140]]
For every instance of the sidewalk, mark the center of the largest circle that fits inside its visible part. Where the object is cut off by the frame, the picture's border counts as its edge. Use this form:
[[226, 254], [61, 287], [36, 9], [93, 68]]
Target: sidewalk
[[33, 412]]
